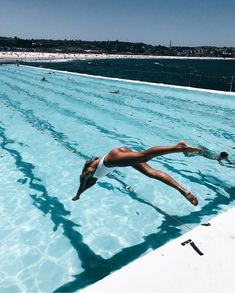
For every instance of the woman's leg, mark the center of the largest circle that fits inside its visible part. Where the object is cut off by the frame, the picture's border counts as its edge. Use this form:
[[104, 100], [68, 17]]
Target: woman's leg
[[123, 157], [159, 175]]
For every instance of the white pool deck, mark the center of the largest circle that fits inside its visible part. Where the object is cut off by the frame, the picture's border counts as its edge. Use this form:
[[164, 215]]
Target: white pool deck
[[176, 268]]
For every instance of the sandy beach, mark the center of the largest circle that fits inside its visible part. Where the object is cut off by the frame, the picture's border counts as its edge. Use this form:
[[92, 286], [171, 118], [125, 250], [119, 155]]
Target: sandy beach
[[56, 57]]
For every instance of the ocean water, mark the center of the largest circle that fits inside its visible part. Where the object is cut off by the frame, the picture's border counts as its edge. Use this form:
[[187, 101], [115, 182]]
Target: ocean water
[[209, 74], [47, 131]]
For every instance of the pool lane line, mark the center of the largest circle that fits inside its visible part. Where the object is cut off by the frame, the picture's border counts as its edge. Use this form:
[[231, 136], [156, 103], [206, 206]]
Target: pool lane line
[[119, 103], [69, 113], [163, 115], [45, 126], [139, 98]]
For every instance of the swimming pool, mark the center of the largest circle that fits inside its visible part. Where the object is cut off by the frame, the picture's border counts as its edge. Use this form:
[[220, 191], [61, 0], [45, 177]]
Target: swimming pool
[[48, 129]]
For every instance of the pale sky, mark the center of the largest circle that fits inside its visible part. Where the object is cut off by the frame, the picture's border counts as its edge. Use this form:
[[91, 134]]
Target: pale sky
[[156, 22]]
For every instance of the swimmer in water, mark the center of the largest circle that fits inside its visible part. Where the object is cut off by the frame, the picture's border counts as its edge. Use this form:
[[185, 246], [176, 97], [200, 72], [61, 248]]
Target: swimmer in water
[[125, 157], [221, 158], [115, 92]]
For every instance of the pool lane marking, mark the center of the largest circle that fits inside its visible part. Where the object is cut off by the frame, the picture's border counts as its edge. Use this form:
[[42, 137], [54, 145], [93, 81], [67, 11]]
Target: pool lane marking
[[193, 245], [149, 111], [62, 111]]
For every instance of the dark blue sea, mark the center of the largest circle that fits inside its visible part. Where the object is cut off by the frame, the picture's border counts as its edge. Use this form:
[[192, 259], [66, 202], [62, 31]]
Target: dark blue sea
[[208, 74]]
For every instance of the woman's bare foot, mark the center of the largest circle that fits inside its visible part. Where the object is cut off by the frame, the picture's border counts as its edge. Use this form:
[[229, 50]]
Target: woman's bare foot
[[190, 197], [182, 145]]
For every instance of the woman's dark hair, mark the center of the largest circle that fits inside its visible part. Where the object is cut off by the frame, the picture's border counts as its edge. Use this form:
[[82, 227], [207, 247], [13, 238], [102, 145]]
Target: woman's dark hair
[[90, 182], [223, 155]]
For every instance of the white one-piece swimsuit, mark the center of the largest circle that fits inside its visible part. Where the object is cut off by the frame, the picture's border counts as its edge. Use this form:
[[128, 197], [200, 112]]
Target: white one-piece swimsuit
[[102, 170]]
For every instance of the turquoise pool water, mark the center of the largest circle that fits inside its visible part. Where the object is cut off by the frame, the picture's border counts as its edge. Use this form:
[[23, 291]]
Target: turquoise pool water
[[48, 129]]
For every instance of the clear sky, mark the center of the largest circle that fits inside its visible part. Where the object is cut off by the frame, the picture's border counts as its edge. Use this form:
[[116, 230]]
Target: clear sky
[[184, 22]]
